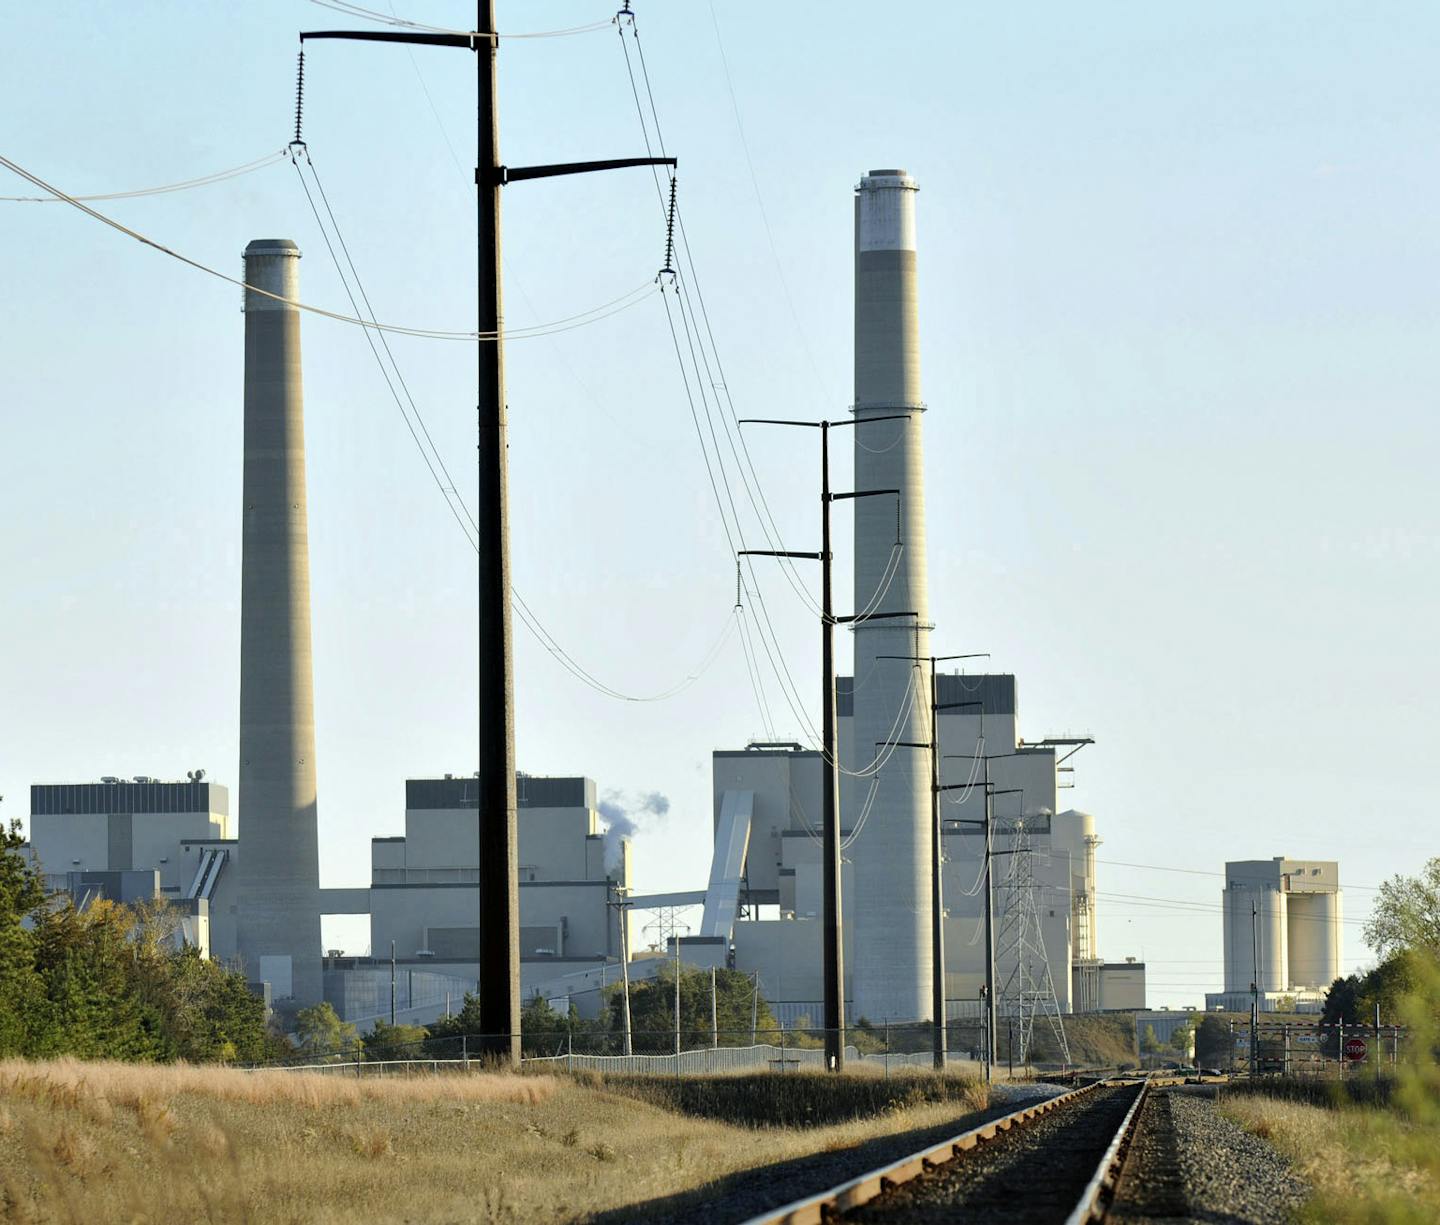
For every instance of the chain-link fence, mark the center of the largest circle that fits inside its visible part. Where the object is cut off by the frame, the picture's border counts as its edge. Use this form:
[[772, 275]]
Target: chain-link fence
[[877, 1049]]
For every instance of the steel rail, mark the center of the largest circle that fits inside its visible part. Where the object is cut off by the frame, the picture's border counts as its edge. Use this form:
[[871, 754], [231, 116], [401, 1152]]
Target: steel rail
[[847, 1195], [1107, 1174]]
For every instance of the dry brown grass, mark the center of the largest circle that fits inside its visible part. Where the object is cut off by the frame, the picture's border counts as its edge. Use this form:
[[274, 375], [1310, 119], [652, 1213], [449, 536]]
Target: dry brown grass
[[1362, 1162], [134, 1143]]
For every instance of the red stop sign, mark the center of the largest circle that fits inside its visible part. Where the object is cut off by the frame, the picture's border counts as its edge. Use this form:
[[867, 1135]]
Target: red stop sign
[[1355, 1049]]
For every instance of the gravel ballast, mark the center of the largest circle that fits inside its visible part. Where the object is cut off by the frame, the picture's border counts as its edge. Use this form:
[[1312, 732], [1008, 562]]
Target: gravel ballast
[[1191, 1164]]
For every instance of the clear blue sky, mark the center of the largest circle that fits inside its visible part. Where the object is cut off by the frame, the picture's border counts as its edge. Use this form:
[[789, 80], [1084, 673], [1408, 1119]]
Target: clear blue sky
[[1178, 277]]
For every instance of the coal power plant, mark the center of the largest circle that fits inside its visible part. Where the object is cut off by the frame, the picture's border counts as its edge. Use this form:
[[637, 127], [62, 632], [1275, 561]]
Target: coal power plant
[[248, 883]]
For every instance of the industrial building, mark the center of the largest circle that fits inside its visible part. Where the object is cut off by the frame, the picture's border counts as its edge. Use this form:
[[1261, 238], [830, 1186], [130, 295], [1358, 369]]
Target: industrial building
[[762, 904], [133, 840], [775, 791], [1282, 934], [779, 787]]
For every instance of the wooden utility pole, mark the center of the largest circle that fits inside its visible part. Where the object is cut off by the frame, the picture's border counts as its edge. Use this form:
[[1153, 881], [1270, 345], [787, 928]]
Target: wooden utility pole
[[499, 886], [833, 936], [499, 910], [621, 913]]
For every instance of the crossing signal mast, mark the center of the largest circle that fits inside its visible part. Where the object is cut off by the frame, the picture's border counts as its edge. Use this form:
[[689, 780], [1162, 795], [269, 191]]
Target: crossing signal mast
[[499, 917]]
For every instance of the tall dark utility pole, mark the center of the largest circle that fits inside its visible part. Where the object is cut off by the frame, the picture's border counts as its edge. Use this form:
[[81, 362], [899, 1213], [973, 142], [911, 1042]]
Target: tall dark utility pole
[[499, 917], [834, 935], [985, 824], [1255, 991], [937, 889]]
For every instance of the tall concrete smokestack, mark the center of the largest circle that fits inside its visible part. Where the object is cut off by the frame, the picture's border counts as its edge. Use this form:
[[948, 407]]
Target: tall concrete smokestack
[[278, 905], [892, 935]]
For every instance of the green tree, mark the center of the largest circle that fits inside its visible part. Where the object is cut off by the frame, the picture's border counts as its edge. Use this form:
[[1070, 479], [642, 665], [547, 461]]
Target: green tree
[[652, 1010], [1149, 1043], [543, 1029], [386, 1041], [1213, 1042], [93, 984], [112, 981], [1182, 1038], [1406, 913], [319, 1031], [466, 1021], [24, 1015]]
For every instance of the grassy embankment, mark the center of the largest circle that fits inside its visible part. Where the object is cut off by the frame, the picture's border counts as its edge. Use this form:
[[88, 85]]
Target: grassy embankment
[[1371, 1157], [140, 1143]]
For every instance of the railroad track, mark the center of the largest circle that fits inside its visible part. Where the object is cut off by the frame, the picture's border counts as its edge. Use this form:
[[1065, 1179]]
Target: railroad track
[[1054, 1161]]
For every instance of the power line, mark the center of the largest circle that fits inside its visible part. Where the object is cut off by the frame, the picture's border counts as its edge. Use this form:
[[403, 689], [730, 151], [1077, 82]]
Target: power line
[[453, 500], [1180, 906], [355, 10], [789, 691], [594, 315], [753, 487], [760, 201], [184, 185], [1155, 867]]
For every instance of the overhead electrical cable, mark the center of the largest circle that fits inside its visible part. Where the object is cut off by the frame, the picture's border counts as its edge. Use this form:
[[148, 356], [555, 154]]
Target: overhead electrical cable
[[760, 202], [594, 315], [864, 817], [768, 638], [164, 189], [1155, 867], [882, 586], [718, 385], [440, 473], [752, 671], [454, 493], [389, 19], [718, 382]]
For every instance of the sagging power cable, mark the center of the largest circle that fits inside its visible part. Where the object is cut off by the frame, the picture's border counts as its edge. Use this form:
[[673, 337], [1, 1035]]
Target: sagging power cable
[[711, 381], [204, 180], [678, 285], [390, 19], [434, 461], [594, 315]]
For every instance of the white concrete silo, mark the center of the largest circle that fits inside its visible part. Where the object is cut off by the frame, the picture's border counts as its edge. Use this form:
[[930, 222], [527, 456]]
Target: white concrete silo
[[1314, 938], [892, 871], [1255, 923]]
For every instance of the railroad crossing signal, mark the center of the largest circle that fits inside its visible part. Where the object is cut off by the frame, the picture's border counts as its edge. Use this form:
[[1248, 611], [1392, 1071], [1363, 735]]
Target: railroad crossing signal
[[1355, 1049]]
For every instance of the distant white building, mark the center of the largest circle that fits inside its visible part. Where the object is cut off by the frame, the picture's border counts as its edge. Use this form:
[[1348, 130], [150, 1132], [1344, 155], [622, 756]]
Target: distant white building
[[1282, 934]]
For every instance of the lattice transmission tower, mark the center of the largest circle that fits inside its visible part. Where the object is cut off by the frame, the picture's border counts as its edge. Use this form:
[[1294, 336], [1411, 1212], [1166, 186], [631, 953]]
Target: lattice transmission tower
[[1027, 988]]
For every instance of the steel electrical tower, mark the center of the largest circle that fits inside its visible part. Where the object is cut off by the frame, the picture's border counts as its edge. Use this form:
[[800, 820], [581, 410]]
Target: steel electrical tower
[[1028, 987]]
